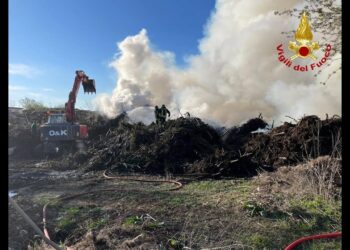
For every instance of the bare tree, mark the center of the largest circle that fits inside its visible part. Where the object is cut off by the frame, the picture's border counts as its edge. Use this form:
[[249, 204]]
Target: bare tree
[[31, 104], [325, 17]]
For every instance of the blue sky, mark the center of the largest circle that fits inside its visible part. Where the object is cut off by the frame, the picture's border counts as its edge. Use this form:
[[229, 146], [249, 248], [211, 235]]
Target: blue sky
[[49, 40]]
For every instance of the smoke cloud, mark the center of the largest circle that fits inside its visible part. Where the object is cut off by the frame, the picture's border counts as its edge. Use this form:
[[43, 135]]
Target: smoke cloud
[[235, 76]]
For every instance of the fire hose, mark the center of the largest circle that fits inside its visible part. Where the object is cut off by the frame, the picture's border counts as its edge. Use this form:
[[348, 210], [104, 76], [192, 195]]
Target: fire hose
[[178, 184], [67, 198], [313, 237], [33, 225], [45, 235]]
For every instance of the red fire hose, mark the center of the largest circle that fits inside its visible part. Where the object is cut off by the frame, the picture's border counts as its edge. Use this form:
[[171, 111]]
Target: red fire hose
[[312, 237]]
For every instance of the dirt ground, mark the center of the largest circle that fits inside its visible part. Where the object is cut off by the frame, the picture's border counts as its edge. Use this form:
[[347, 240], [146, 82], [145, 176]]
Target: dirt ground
[[113, 214], [36, 183], [205, 213]]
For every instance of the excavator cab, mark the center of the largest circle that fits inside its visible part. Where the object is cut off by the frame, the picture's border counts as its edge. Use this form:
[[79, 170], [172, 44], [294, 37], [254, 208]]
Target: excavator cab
[[57, 119], [89, 86]]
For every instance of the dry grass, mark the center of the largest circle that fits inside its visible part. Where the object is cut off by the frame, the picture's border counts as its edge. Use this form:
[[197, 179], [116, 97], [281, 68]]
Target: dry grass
[[209, 214], [321, 176]]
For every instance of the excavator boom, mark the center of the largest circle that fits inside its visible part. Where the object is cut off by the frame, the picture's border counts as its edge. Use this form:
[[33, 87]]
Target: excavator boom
[[62, 129], [88, 86]]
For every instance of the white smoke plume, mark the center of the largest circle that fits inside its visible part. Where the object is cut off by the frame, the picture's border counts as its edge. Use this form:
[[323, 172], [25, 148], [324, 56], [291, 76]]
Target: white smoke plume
[[235, 76]]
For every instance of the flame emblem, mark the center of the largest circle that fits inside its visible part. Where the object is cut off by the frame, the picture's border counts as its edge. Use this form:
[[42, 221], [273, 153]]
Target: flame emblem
[[304, 46]]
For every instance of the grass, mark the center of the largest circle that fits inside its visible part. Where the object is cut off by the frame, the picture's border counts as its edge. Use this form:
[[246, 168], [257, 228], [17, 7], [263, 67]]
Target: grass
[[69, 218], [254, 208], [92, 224], [322, 244], [86, 218], [175, 244], [317, 214], [244, 213], [261, 223], [132, 220], [259, 241], [44, 199]]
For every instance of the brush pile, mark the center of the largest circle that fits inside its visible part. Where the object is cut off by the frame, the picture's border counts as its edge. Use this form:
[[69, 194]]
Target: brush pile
[[188, 145]]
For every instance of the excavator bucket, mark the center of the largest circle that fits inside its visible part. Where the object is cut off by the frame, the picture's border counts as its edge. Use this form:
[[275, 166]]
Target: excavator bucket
[[89, 86]]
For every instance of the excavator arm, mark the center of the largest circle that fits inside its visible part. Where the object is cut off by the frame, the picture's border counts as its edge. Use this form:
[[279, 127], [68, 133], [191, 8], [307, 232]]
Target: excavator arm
[[88, 86]]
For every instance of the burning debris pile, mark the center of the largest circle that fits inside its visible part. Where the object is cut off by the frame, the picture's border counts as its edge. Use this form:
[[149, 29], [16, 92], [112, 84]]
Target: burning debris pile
[[184, 145], [187, 145], [294, 143], [150, 149], [230, 159], [235, 137]]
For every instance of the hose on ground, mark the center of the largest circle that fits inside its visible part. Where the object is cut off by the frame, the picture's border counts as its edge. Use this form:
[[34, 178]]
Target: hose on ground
[[45, 235], [313, 237], [178, 186], [67, 198], [33, 225], [177, 183]]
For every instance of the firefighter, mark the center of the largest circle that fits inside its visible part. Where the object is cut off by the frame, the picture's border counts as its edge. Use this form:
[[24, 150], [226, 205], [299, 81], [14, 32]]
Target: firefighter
[[33, 128], [163, 112], [156, 114]]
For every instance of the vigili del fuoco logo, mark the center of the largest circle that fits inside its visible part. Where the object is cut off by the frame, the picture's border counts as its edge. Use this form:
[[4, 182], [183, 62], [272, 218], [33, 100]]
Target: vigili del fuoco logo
[[303, 47]]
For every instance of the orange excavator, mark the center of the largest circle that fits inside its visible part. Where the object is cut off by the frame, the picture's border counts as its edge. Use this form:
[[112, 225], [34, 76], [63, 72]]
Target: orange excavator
[[62, 129]]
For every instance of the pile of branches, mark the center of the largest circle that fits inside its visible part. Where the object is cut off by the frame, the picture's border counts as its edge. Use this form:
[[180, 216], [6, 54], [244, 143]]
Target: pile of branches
[[188, 145], [290, 144], [124, 146]]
